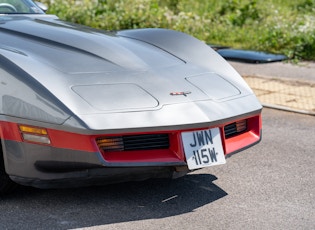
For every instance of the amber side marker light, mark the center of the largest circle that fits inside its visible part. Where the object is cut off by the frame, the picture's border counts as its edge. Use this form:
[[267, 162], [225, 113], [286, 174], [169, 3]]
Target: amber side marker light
[[34, 134]]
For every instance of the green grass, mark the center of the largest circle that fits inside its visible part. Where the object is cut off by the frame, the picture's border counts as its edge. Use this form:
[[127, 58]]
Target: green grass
[[278, 26]]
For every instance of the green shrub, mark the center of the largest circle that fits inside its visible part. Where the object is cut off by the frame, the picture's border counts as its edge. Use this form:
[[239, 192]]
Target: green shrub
[[238, 14], [306, 6], [276, 26]]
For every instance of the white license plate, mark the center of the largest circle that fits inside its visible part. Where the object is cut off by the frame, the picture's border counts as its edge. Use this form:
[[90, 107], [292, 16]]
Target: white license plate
[[203, 148]]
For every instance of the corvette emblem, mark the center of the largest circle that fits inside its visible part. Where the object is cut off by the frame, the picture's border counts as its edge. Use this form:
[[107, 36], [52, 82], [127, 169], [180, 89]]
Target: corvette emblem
[[180, 93]]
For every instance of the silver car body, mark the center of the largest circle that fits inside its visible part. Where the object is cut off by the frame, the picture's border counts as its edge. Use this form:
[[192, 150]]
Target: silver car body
[[82, 83]]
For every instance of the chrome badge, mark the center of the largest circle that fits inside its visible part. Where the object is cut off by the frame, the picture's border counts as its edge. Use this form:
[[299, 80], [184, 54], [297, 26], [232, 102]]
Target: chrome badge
[[180, 93]]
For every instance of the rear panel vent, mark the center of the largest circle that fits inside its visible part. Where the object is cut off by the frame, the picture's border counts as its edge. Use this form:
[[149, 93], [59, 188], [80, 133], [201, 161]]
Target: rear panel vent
[[235, 128], [133, 142]]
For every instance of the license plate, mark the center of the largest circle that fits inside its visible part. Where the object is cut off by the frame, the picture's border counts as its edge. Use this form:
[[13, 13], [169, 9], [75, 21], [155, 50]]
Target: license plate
[[203, 148]]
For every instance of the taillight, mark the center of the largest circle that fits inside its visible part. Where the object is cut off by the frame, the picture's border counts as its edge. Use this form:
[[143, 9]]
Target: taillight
[[235, 128], [110, 143], [34, 134], [241, 126]]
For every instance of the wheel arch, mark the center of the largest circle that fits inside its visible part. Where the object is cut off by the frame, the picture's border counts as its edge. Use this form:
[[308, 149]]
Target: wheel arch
[[6, 184]]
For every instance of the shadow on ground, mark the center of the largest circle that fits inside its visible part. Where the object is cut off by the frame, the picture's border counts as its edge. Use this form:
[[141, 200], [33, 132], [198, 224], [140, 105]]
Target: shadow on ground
[[84, 207]]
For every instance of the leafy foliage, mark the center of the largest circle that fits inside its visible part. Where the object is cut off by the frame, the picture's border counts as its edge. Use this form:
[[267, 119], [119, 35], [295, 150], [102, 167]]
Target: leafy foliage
[[276, 26]]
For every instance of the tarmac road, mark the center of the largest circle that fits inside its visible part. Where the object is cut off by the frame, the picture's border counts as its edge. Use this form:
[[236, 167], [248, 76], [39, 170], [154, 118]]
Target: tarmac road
[[269, 186]]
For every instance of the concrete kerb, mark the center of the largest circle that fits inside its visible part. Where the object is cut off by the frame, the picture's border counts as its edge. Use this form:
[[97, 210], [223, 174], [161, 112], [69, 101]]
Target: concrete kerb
[[279, 107]]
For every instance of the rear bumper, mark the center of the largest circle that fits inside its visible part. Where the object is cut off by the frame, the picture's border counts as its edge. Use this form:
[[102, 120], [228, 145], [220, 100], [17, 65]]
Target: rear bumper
[[76, 160], [101, 176], [29, 164]]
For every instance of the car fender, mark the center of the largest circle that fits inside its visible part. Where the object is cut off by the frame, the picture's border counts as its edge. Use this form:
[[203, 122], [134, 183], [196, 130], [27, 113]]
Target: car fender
[[188, 49], [30, 100]]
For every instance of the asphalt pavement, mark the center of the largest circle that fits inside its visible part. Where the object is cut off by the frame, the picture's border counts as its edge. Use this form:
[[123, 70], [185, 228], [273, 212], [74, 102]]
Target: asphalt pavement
[[282, 85], [268, 186]]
